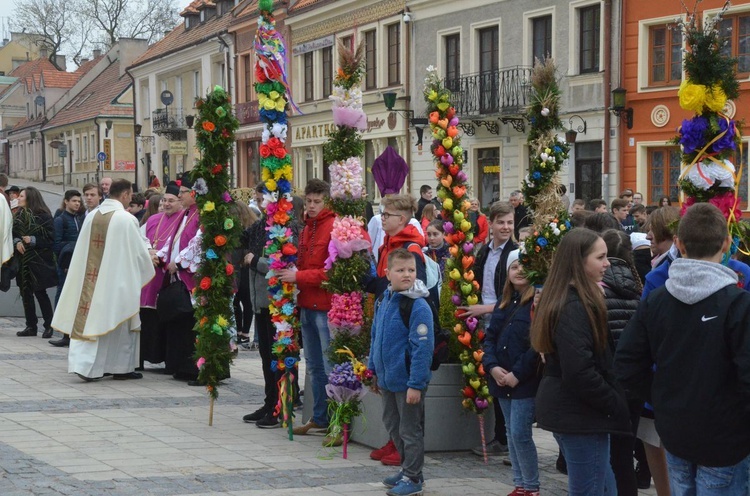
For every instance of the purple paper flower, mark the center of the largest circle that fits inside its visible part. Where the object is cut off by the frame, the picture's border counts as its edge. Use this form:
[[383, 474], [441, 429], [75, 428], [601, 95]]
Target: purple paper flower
[[692, 134], [726, 142]]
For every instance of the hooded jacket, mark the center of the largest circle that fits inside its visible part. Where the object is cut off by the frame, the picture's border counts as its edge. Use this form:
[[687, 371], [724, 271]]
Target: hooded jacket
[[313, 252], [401, 356], [696, 329], [407, 236], [622, 294]]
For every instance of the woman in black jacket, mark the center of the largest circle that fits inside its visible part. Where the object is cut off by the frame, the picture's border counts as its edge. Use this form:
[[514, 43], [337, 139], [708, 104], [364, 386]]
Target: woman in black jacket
[[513, 365], [33, 237], [578, 399], [622, 293]]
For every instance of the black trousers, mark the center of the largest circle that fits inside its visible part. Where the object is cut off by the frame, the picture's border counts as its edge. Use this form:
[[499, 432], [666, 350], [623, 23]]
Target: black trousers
[[243, 307], [29, 307], [153, 337], [180, 347], [265, 329], [621, 454]]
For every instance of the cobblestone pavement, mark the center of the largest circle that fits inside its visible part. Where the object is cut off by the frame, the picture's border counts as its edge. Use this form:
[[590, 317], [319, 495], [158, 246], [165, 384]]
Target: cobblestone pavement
[[61, 436]]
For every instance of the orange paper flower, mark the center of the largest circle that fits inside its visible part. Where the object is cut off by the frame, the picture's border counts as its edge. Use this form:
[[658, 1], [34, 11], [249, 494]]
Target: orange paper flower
[[205, 283], [208, 126], [220, 240]]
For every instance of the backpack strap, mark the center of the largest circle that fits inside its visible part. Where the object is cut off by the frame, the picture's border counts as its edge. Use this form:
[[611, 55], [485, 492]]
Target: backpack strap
[[405, 305]]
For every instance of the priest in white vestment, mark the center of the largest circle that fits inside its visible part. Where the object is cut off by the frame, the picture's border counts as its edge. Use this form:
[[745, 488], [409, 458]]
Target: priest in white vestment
[[100, 302]]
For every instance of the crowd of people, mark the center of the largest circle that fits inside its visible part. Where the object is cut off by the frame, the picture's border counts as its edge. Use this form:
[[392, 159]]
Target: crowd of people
[[635, 354]]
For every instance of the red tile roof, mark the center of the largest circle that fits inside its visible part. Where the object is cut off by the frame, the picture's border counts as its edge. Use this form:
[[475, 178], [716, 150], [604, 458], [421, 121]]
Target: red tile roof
[[248, 9], [23, 71], [196, 6], [180, 38], [303, 5], [29, 123], [98, 98]]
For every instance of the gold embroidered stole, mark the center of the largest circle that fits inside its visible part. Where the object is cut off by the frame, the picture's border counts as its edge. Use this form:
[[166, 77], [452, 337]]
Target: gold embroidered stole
[[97, 242]]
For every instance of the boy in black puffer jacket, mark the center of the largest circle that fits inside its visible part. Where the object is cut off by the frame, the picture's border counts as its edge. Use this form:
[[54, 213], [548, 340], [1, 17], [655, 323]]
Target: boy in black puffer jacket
[[696, 330]]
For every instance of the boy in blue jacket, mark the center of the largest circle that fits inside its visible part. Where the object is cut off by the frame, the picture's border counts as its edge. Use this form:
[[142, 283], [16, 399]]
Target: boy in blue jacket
[[400, 358]]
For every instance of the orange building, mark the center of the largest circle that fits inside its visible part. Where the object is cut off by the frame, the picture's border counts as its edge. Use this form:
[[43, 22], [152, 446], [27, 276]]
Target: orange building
[[652, 71]]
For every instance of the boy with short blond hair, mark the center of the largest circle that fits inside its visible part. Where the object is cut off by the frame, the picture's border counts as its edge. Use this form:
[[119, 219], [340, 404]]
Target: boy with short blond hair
[[400, 358], [687, 351]]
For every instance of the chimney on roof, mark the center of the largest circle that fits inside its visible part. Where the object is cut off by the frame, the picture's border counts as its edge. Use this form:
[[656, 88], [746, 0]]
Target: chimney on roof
[[84, 60], [97, 53], [5, 41], [60, 62]]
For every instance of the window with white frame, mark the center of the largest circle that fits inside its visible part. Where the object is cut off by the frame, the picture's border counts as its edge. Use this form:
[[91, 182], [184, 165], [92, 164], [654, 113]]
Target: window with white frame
[[452, 46], [394, 54], [735, 34], [589, 38], [85, 148], [309, 74], [664, 56], [371, 60], [541, 38], [327, 63]]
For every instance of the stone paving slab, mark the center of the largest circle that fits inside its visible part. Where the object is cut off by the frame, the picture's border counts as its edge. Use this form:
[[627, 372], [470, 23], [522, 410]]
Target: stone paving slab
[[61, 436]]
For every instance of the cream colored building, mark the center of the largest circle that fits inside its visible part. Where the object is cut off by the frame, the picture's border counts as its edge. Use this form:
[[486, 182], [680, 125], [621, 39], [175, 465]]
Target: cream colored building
[[95, 115], [184, 65], [316, 28]]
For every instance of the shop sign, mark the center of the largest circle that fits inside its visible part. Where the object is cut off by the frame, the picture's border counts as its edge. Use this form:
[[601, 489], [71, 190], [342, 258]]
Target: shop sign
[[313, 45]]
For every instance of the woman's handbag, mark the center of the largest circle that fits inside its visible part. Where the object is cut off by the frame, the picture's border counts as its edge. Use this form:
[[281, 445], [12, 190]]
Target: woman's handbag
[[8, 272], [173, 300]]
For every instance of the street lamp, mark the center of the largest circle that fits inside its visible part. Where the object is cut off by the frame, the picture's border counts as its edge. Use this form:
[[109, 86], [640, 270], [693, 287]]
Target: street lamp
[[572, 133], [618, 106], [108, 123]]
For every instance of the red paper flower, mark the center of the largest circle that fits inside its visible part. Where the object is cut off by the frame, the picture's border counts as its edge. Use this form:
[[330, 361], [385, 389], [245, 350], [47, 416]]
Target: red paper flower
[[208, 126], [260, 75], [205, 283], [220, 240], [230, 269], [275, 143], [289, 249], [216, 169], [279, 152], [265, 151], [225, 133]]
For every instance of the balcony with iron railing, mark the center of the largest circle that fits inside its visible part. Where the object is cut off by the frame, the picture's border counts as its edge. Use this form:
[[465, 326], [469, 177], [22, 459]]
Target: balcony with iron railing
[[170, 123], [247, 112], [501, 94]]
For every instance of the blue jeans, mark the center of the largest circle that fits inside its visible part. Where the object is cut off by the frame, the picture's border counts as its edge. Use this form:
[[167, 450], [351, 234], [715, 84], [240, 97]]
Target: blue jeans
[[690, 479], [316, 339], [589, 471], [519, 415]]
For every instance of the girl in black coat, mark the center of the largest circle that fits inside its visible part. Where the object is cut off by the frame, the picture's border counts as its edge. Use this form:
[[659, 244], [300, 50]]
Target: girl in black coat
[[512, 364], [578, 399], [622, 293], [33, 237]]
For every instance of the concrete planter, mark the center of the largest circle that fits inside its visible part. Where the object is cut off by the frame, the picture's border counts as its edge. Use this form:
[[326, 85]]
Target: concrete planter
[[448, 427]]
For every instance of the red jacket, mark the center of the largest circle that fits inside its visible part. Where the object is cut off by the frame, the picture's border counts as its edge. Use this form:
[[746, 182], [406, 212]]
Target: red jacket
[[313, 252], [409, 234], [484, 229]]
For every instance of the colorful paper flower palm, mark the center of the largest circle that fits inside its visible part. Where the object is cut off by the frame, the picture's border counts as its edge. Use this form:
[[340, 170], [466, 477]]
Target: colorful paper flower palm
[[541, 185], [276, 174], [215, 126], [448, 156], [710, 139]]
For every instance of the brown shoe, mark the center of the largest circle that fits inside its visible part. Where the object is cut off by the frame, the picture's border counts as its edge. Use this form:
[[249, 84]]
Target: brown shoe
[[306, 429], [330, 440]]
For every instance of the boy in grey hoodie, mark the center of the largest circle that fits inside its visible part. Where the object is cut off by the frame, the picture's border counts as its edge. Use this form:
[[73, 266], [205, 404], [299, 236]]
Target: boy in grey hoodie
[[687, 351]]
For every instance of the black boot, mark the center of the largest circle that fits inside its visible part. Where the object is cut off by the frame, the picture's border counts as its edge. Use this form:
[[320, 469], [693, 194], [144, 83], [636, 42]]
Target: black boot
[[29, 331], [63, 342], [48, 332]]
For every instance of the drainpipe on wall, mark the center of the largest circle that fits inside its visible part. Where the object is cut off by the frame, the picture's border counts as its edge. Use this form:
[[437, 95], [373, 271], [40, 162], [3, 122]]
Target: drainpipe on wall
[[44, 158], [608, 28], [407, 90], [135, 139]]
